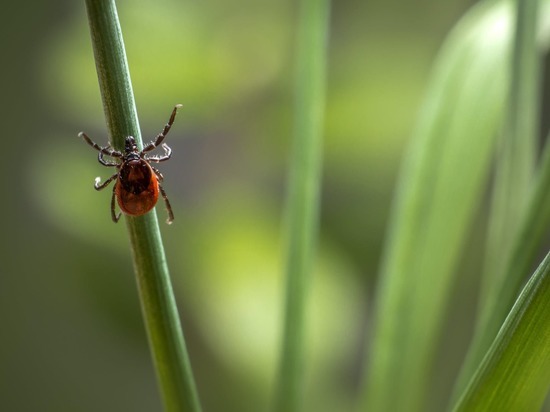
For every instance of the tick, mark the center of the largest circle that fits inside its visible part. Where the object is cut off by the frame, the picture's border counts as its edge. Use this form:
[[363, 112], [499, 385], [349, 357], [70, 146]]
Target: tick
[[138, 183]]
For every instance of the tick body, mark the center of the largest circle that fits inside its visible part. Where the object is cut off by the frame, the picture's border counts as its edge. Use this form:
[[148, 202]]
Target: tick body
[[138, 183], [137, 188]]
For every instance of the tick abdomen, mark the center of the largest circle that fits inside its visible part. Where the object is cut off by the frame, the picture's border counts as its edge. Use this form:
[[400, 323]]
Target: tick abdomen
[[137, 187]]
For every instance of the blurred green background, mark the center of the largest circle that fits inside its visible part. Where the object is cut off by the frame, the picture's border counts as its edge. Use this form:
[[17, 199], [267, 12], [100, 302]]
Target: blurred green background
[[72, 337]]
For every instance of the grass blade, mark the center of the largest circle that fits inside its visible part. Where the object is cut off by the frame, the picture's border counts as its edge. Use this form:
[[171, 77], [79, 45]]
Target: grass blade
[[515, 373], [516, 209], [303, 195], [438, 194], [516, 157], [157, 299]]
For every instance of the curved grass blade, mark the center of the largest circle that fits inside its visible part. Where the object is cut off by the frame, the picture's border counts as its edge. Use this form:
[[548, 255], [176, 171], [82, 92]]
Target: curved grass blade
[[439, 191], [521, 207], [515, 373]]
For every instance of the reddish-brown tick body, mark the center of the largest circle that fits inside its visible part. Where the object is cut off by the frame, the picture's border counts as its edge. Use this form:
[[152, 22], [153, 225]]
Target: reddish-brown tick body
[[137, 187], [138, 183]]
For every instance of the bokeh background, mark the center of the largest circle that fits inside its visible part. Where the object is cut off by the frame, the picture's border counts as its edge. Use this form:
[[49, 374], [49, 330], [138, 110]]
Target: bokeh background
[[72, 337]]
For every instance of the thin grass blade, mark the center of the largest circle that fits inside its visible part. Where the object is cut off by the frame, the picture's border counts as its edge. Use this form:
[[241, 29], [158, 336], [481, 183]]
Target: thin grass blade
[[158, 303], [303, 196]]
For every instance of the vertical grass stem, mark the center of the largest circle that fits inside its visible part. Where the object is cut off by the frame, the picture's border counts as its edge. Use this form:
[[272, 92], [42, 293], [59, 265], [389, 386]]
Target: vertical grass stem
[[158, 304], [303, 196]]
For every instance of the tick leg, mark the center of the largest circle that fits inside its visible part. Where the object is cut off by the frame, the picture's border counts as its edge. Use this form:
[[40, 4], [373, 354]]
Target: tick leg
[[166, 156], [106, 162], [114, 216], [160, 137], [168, 207], [158, 173], [99, 186], [107, 150]]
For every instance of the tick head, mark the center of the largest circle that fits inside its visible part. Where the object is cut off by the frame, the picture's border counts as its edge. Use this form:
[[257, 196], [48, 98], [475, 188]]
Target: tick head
[[130, 145]]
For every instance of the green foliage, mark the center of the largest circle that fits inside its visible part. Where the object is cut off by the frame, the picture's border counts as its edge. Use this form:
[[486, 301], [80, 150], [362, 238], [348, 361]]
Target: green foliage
[[518, 207], [439, 193], [228, 66]]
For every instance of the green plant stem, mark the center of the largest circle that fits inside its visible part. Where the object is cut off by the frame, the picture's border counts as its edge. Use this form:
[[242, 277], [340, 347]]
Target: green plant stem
[[155, 291], [303, 196]]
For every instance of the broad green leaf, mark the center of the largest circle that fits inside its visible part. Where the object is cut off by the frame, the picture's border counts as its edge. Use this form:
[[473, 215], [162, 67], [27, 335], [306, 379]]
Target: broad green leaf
[[515, 373]]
